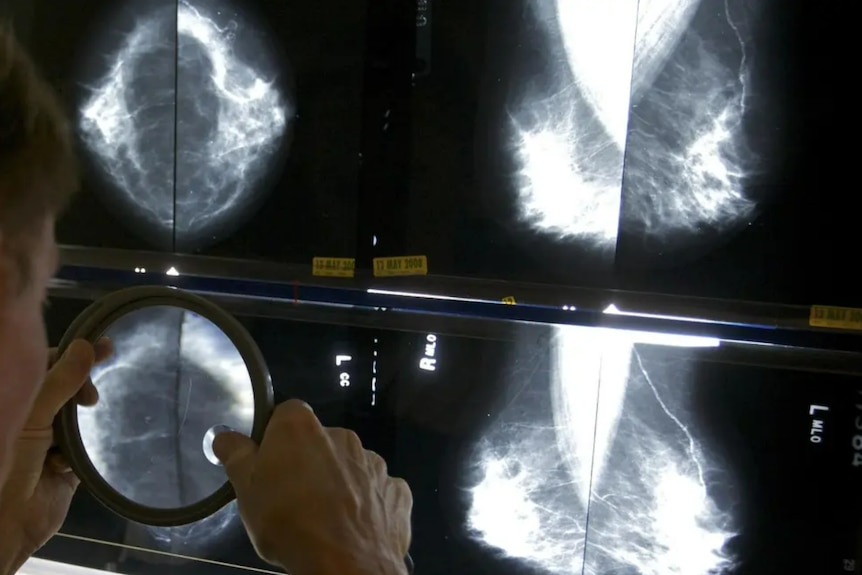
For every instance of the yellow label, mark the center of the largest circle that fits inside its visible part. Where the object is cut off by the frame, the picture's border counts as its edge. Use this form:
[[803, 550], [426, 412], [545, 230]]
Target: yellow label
[[840, 317], [509, 300], [401, 266], [334, 267]]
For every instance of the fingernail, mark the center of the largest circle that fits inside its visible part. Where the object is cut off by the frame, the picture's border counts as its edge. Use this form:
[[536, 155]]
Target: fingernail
[[308, 407]]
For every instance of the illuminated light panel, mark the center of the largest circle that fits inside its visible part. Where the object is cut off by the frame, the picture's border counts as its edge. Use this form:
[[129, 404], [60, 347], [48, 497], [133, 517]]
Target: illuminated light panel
[[230, 120], [36, 566], [670, 190], [507, 516], [572, 141], [687, 154], [667, 338], [569, 139], [650, 507], [200, 344], [507, 510], [644, 482], [561, 193], [134, 419], [598, 38], [172, 272], [612, 309], [660, 27]]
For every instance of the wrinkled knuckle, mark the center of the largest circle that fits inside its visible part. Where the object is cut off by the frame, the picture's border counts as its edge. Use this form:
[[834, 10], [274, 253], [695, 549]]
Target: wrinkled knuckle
[[402, 489], [352, 438], [378, 463], [345, 438], [351, 502], [292, 407], [294, 412]]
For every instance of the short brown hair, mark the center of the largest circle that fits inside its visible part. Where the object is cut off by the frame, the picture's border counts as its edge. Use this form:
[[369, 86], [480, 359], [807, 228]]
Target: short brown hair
[[38, 167]]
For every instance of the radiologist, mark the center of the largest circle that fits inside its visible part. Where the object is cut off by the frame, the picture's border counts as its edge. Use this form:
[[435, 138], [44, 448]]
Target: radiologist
[[320, 504]]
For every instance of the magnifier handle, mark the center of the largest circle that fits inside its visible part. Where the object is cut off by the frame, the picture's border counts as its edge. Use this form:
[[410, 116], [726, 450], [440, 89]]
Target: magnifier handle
[[409, 562]]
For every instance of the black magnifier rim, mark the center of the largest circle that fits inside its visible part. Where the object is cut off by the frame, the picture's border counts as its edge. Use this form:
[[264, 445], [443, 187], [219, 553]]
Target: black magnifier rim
[[90, 325]]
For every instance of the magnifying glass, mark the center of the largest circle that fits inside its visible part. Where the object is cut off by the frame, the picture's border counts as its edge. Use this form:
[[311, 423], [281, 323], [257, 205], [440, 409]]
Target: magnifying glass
[[183, 370]]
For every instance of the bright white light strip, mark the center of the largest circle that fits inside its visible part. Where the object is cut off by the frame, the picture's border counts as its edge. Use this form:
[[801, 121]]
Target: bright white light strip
[[44, 567], [55, 568], [428, 296], [668, 339], [614, 310]]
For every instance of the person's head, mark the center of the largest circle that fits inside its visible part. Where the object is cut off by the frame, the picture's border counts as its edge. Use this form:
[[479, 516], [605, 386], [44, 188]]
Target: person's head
[[38, 174]]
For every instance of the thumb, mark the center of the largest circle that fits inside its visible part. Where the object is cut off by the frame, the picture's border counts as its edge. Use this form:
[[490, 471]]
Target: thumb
[[237, 453]]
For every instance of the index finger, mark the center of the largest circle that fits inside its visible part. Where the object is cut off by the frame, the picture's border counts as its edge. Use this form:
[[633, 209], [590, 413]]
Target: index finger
[[104, 348], [292, 419], [88, 395], [63, 381], [295, 413]]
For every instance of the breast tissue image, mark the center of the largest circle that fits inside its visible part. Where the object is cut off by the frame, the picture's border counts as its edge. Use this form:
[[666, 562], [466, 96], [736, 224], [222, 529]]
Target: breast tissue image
[[186, 117], [174, 375], [639, 124]]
